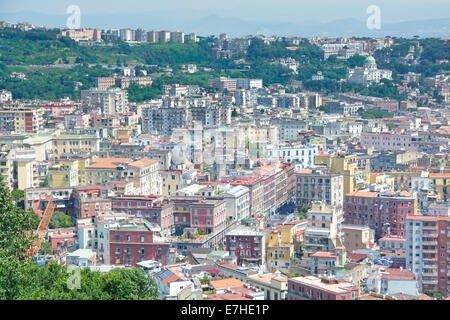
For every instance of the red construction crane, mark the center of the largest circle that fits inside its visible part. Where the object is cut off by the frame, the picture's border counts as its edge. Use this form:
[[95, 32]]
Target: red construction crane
[[42, 229]]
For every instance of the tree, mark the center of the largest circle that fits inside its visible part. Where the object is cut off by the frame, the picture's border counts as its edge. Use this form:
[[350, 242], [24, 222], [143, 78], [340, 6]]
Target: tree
[[22, 278], [60, 220], [44, 183], [16, 237], [18, 198], [204, 280]]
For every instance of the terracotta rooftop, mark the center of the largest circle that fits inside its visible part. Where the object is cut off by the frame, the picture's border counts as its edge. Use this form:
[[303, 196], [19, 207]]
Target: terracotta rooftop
[[226, 283]]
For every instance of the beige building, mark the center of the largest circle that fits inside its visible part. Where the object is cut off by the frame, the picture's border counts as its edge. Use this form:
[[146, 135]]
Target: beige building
[[171, 181], [21, 119], [358, 237], [27, 173], [143, 172], [42, 146], [274, 285]]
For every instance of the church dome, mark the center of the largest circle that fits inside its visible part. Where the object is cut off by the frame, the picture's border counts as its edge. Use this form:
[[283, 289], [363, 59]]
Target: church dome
[[370, 60]]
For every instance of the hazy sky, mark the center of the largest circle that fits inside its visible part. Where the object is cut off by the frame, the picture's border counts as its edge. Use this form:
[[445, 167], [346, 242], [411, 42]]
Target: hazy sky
[[270, 10]]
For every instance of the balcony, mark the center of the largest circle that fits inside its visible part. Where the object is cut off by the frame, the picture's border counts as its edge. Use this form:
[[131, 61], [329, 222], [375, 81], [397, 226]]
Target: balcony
[[429, 281], [430, 235], [430, 274], [429, 251], [429, 259], [429, 243], [429, 228]]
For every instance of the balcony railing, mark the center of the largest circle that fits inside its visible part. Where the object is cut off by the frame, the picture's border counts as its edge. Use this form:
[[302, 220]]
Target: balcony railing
[[429, 281]]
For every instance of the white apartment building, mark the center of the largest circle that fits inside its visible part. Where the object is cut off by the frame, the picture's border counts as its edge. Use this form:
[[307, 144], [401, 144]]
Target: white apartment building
[[426, 251], [110, 101], [164, 36], [177, 37], [237, 202], [300, 154]]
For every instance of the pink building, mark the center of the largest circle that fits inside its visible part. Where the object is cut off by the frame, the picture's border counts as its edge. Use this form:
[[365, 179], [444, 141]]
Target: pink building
[[151, 208], [385, 212], [246, 244], [314, 288], [129, 245], [90, 200], [390, 141]]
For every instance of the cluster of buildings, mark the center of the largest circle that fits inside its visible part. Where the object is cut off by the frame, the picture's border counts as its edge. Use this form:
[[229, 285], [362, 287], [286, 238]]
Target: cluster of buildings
[[242, 190], [128, 35]]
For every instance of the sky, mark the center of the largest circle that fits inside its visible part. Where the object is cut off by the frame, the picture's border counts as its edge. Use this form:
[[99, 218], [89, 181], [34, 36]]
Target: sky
[[266, 10]]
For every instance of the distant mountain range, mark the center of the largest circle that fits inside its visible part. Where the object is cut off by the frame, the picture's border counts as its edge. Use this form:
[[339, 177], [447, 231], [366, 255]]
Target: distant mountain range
[[235, 27]]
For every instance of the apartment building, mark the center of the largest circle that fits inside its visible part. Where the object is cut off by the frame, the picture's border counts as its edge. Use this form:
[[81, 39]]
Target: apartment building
[[90, 200], [273, 285], [177, 36], [133, 242], [301, 155], [440, 183], [6, 169], [164, 120], [428, 251], [205, 215], [246, 244], [390, 141], [37, 199], [69, 144], [324, 230], [358, 237], [83, 34], [109, 101], [156, 210], [315, 288], [229, 84], [237, 202], [256, 194], [319, 185], [144, 172], [280, 248], [21, 119], [385, 212]]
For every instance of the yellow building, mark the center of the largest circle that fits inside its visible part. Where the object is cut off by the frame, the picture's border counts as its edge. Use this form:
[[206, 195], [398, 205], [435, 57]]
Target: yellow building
[[63, 174], [402, 179], [69, 145], [440, 183], [381, 178], [280, 247], [347, 165]]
